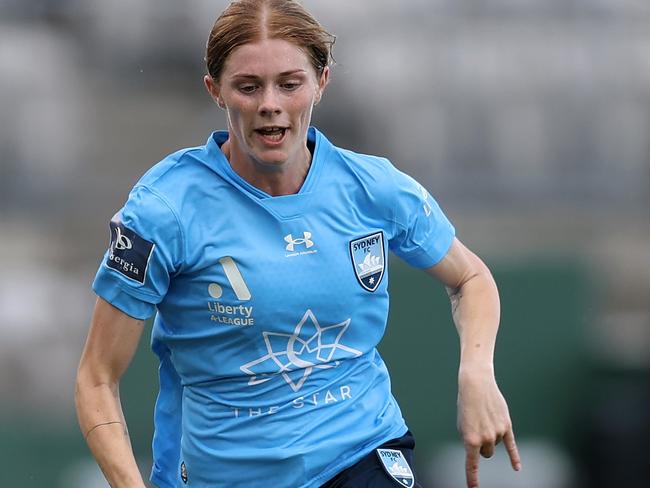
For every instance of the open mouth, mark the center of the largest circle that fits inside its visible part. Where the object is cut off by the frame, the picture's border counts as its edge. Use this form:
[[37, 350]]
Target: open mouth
[[272, 134]]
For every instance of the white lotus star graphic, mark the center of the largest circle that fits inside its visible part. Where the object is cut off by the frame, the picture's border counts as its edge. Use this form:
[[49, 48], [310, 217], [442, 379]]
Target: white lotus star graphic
[[296, 355]]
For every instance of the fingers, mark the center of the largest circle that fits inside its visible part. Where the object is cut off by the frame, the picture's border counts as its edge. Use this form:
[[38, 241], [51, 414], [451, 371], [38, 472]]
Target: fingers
[[513, 452], [471, 465], [474, 453], [487, 450]]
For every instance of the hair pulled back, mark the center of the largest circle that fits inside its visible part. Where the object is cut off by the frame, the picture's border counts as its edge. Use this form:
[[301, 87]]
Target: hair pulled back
[[246, 21]]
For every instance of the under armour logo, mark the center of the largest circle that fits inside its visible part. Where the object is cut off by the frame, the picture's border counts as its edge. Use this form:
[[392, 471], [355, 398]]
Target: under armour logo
[[291, 242], [122, 242]]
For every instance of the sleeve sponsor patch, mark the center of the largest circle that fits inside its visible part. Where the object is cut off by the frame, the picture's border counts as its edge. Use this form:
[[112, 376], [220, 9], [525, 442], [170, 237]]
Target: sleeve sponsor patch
[[128, 253]]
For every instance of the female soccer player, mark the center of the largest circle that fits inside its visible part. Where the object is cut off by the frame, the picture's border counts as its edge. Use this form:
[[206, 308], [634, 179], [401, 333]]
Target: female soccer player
[[264, 254]]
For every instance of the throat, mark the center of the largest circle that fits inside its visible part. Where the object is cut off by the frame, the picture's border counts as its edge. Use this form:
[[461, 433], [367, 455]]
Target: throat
[[279, 185], [274, 179]]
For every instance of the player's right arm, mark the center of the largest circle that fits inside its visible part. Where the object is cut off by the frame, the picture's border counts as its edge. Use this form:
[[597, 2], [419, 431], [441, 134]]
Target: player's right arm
[[110, 346]]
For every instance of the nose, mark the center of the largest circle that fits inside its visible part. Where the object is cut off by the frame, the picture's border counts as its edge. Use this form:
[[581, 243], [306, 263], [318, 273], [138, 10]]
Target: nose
[[270, 103]]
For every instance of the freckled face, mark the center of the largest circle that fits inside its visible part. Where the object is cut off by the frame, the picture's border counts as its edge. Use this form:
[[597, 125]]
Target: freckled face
[[269, 89]]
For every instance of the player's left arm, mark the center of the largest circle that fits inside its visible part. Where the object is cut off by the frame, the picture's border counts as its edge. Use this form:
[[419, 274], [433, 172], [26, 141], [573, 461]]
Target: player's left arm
[[483, 417]]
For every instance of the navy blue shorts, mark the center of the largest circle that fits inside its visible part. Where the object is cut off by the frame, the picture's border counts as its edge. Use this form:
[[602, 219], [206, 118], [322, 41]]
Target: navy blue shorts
[[371, 472]]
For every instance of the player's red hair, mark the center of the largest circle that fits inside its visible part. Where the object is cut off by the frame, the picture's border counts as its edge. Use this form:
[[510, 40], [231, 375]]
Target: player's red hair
[[246, 21]]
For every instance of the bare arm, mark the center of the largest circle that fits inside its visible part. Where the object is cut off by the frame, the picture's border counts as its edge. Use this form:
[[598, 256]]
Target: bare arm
[[483, 417], [110, 346]]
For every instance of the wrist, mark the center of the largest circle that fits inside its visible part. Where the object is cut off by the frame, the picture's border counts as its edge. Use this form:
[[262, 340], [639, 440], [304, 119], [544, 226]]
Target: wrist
[[475, 368], [476, 357]]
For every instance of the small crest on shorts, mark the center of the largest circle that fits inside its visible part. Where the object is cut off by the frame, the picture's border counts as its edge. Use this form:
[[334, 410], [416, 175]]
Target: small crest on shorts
[[368, 260], [184, 472], [396, 466]]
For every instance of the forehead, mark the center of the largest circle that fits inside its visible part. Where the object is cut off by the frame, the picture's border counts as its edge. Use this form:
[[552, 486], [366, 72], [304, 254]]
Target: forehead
[[264, 58]]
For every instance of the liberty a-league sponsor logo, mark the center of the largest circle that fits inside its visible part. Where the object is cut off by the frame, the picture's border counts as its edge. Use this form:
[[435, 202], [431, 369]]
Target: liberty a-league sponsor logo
[[368, 260], [396, 466], [223, 310], [128, 253]]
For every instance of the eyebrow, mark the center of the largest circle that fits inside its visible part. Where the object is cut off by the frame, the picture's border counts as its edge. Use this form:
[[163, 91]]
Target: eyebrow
[[283, 74]]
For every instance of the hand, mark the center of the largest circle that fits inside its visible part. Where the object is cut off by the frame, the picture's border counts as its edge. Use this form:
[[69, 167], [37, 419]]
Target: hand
[[483, 420]]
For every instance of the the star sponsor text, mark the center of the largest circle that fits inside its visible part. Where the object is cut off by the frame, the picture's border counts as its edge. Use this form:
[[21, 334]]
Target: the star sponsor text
[[312, 400]]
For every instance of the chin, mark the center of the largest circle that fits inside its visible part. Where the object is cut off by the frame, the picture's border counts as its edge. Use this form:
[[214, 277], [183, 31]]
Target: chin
[[271, 159]]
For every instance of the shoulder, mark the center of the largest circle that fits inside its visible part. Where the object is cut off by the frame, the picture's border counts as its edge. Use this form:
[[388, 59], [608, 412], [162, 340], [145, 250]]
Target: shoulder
[[173, 172], [182, 178], [156, 198], [376, 171], [366, 163]]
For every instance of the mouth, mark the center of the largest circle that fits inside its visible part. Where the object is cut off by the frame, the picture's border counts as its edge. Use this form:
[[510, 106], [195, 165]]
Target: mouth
[[272, 134]]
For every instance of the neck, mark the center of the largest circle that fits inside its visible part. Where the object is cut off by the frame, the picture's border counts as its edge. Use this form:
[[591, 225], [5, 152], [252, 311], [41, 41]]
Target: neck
[[276, 180]]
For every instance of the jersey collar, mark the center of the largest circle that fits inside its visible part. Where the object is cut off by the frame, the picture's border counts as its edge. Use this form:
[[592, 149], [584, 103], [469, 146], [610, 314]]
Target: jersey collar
[[220, 164]]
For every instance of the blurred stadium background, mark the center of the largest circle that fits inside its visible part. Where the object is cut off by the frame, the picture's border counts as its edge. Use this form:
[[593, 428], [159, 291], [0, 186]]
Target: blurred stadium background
[[529, 120]]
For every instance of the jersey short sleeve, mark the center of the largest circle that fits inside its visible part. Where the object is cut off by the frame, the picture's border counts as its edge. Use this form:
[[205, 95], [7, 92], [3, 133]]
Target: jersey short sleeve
[[423, 232], [146, 249]]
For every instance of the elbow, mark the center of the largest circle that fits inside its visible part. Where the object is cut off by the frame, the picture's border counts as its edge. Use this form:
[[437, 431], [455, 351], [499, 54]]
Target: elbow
[[477, 272], [455, 292], [477, 282], [92, 382], [82, 387]]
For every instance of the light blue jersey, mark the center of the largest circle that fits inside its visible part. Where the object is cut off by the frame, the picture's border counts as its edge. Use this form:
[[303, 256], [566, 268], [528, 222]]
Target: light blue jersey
[[269, 311]]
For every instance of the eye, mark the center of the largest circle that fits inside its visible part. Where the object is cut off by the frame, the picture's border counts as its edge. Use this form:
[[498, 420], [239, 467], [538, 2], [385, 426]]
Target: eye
[[247, 88], [290, 85]]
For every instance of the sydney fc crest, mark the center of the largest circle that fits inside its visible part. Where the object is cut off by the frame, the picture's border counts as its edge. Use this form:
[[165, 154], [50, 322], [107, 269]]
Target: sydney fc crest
[[369, 260], [396, 466]]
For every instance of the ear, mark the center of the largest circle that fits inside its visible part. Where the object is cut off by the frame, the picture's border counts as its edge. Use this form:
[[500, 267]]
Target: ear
[[214, 90], [322, 84]]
